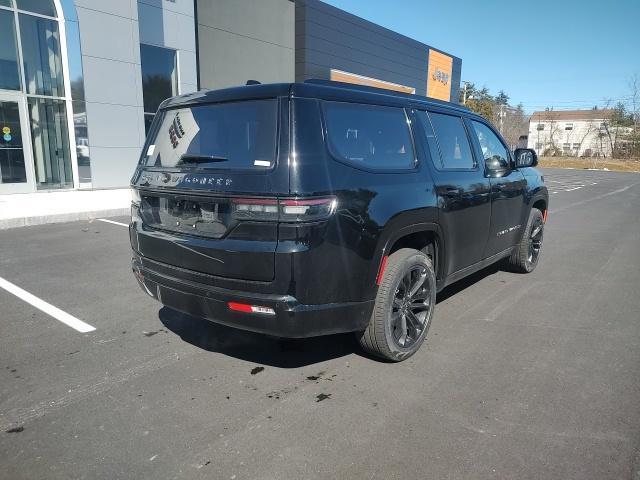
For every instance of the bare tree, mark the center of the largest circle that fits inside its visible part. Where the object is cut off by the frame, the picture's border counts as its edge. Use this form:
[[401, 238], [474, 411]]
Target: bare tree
[[590, 128], [634, 101], [516, 124], [554, 129], [608, 132]]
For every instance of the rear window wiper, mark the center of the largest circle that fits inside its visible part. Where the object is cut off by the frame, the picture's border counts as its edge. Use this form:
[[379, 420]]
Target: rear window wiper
[[190, 158]]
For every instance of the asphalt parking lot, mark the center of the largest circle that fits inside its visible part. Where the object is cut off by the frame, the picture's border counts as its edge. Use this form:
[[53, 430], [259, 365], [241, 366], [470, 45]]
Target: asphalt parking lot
[[522, 376]]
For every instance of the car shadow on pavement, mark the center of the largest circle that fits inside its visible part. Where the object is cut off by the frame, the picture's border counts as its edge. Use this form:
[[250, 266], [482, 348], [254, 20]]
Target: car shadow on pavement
[[256, 347], [279, 352]]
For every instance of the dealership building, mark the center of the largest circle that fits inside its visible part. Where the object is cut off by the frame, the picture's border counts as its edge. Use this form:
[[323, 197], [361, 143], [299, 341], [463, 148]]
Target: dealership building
[[80, 80]]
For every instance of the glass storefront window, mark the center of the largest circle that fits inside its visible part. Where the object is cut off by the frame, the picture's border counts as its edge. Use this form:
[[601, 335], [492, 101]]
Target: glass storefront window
[[43, 7], [50, 143], [82, 141], [78, 105], [9, 76], [31, 65], [159, 78], [12, 167], [41, 56]]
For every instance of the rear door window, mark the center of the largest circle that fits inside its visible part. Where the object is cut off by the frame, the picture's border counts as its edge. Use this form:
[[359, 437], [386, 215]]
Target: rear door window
[[448, 141], [238, 135], [370, 136]]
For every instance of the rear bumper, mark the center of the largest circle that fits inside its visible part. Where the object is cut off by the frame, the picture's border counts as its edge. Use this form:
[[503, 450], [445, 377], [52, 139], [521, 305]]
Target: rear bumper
[[291, 320]]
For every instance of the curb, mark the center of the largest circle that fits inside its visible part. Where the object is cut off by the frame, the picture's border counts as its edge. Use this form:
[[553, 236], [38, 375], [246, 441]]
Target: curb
[[8, 223]]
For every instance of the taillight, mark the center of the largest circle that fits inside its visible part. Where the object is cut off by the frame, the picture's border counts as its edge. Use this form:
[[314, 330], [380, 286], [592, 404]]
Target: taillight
[[307, 210], [261, 209], [135, 205], [285, 210], [135, 196]]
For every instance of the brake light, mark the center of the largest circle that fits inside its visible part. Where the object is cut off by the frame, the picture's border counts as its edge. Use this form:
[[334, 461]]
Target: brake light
[[246, 308], [255, 209], [135, 205], [135, 196], [307, 210], [285, 210]]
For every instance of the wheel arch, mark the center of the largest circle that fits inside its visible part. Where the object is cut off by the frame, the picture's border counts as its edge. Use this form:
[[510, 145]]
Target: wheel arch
[[417, 236], [540, 201]]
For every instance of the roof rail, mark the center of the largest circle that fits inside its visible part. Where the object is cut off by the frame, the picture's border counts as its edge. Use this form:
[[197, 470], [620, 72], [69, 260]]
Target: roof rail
[[357, 86], [383, 91]]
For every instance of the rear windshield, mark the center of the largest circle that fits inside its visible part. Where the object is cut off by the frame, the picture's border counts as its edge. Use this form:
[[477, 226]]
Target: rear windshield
[[240, 135]]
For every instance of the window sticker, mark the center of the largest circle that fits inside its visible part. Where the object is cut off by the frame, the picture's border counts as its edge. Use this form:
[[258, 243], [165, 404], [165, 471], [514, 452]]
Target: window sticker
[[262, 163], [150, 150]]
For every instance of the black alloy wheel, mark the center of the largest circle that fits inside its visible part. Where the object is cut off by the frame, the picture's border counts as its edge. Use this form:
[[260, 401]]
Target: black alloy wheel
[[404, 307]]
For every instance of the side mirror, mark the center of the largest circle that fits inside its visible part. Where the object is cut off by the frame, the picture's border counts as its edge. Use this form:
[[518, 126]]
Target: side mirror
[[525, 157]]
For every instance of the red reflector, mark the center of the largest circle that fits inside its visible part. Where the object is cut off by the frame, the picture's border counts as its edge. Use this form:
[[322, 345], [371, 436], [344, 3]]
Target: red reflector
[[243, 307], [239, 307], [544, 216], [383, 265]]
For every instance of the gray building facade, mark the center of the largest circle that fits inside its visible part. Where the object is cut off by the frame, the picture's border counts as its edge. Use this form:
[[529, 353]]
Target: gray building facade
[[329, 39], [240, 40], [80, 80], [113, 38]]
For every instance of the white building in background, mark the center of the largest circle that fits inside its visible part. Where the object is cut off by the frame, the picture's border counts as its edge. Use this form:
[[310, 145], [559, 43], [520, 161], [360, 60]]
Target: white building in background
[[576, 133]]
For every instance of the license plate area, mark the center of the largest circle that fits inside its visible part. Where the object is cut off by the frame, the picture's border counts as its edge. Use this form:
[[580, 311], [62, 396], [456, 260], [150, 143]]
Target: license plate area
[[203, 217]]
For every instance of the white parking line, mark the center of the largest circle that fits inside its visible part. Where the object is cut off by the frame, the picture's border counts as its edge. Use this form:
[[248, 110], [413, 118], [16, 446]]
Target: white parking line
[[106, 220], [47, 308]]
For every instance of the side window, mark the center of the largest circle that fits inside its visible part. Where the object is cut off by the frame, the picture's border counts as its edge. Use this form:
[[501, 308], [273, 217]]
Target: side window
[[448, 141], [369, 135], [496, 156]]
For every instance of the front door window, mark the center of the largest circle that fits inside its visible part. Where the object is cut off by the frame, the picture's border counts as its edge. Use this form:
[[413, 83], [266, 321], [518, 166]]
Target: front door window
[[495, 154]]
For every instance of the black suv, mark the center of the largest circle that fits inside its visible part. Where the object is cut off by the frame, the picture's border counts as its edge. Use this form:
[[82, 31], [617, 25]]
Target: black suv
[[319, 207]]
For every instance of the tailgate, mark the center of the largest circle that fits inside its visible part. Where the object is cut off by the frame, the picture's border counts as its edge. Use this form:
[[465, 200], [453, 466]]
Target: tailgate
[[200, 233], [199, 161]]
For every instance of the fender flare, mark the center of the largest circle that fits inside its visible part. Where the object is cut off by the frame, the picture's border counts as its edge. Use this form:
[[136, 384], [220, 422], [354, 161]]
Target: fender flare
[[393, 234], [539, 196]]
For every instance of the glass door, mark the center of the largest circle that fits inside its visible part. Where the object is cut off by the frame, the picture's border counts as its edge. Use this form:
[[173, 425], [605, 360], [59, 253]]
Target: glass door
[[16, 167]]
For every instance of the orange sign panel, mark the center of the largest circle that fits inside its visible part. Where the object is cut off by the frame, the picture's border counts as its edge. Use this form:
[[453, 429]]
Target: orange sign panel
[[439, 76], [346, 77]]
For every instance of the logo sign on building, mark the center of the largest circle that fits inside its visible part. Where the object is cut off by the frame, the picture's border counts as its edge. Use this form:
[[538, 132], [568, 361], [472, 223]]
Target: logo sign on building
[[439, 75]]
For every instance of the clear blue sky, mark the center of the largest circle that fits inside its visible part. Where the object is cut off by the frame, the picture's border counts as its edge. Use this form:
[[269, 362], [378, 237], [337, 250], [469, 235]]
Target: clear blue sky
[[559, 53]]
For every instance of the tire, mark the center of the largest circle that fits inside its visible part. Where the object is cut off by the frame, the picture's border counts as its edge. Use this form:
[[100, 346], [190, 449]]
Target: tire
[[525, 256], [399, 323]]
